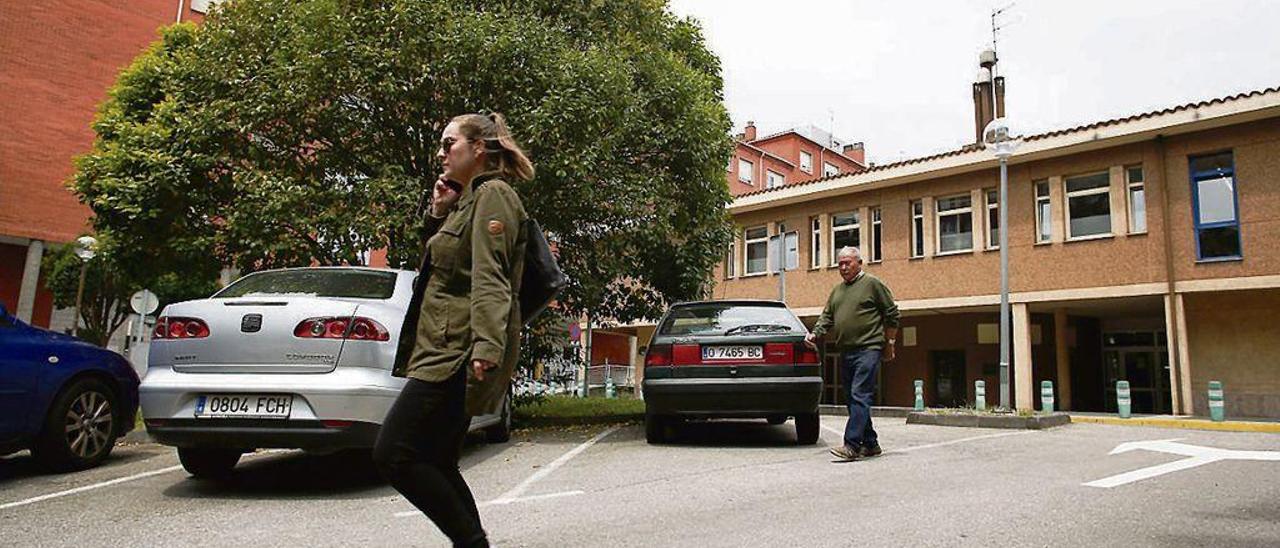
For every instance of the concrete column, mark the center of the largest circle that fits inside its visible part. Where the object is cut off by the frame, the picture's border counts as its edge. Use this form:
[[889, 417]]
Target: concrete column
[[1057, 210], [864, 233], [1062, 355], [1023, 377], [1119, 201], [30, 281], [637, 367], [1184, 355], [1175, 371], [930, 235]]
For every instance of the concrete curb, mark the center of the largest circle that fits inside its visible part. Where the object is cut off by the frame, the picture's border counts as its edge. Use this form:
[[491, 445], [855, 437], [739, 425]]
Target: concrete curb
[[1185, 424], [876, 411], [1015, 422], [137, 436], [537, 422]]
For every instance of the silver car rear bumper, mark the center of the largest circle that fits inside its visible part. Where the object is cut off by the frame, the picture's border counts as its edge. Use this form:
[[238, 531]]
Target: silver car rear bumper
[[360, 395]]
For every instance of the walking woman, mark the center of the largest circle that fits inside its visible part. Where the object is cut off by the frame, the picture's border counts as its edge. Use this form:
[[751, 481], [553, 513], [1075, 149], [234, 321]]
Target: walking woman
[[460, 338]]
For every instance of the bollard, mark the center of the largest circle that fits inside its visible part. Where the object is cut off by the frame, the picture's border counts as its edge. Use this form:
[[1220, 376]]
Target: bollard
[[1046, 396], [1122, 399], [980, 395], [919, 395], [1217, 409], [608, 388]]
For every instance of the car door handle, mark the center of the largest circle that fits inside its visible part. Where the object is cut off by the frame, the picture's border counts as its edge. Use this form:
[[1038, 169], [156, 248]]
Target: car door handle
[[53, 359]]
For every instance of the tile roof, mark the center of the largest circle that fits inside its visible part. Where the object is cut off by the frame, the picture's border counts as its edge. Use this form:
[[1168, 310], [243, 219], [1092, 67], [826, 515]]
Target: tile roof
[[975, 147]]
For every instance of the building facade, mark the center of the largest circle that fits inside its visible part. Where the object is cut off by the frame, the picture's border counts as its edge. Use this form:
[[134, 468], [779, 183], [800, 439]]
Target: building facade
[[1141, 249], [57, 61], [788, 157]]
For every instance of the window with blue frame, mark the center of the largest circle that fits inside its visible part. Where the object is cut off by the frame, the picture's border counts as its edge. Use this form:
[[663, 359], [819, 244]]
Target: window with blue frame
[[1215, 207]]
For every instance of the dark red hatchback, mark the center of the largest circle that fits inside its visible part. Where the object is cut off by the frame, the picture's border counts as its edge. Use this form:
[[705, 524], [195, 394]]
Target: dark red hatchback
[[731, 359]]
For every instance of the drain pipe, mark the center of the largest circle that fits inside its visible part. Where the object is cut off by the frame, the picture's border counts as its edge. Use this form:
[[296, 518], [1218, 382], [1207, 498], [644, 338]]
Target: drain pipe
[[181, 4]]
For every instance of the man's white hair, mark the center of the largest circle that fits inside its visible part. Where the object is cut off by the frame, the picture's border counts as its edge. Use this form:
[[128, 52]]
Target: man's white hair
[[849, 251]]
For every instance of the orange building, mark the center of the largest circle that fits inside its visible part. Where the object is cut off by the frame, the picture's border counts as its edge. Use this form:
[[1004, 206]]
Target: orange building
[[787, 157], [57, 60], [1141, 249]]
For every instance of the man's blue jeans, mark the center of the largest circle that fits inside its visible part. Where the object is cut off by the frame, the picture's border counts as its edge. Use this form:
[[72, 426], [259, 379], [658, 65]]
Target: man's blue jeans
[[858, 368]]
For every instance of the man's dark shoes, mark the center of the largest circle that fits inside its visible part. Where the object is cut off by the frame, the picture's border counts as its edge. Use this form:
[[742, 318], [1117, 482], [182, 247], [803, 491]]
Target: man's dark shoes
[[845, 453], [869, 450]]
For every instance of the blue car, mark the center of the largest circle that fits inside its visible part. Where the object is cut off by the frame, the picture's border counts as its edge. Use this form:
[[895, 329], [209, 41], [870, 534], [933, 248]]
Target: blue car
[[64, 399]]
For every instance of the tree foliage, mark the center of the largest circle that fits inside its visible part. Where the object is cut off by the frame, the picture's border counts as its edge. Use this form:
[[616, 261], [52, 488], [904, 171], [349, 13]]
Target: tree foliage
[[287, 133]]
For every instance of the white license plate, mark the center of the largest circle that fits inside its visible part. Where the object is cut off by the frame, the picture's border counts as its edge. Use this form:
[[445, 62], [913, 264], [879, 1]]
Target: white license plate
[[722, 353], [243, 406]]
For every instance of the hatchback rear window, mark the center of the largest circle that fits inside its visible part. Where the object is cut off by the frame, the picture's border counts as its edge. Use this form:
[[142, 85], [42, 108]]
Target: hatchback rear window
[[326, 282], [729, 319]]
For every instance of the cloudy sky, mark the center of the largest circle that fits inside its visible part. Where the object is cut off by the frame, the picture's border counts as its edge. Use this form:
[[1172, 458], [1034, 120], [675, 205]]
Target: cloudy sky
[[896, 74]]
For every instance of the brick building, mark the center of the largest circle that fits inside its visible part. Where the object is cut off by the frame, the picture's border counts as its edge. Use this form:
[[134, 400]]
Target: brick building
[[1140, 250], [787, 157], [57, 60]]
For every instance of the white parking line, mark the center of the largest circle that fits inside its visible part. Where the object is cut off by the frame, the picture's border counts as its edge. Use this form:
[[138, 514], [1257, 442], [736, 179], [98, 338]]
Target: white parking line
[[496, 502], [78, 490], [100, 485], [513, 496], [518, 490], [961, 440], [939, 444]]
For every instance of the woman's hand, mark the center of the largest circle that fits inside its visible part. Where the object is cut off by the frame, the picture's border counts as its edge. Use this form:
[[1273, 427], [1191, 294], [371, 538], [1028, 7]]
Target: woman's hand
[[442, 198], [480, 367]]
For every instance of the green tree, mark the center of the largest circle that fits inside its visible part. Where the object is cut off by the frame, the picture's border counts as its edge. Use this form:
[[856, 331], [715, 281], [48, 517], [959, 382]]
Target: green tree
[[282, 133], [107, 289]]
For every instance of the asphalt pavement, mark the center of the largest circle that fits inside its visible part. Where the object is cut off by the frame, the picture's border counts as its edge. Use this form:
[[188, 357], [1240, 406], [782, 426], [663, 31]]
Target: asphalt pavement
[[718, 483]]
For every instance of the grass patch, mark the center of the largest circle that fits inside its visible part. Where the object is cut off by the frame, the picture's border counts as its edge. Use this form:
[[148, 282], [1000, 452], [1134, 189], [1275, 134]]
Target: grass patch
[[569, 407]]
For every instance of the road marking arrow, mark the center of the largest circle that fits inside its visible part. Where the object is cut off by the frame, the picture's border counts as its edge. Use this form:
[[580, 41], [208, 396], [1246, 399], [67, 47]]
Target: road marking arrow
[[1196, 456]]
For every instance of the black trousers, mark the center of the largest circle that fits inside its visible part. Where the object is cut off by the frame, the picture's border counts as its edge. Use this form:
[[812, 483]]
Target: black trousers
[[418, 450]]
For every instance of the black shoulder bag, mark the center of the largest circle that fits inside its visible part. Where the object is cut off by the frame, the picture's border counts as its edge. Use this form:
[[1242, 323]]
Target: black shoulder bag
[[542, 279]]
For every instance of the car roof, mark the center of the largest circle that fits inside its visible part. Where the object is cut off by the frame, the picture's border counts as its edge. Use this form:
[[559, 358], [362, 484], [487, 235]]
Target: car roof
[[352, 267], [756, 302]]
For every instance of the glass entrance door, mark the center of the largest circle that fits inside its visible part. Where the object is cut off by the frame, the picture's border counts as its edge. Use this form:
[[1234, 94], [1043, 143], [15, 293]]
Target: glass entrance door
[[1142, 359]]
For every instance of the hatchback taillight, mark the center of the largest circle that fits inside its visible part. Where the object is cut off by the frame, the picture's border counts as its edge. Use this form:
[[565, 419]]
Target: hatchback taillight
[[658, 355], [179, 328], [354, 328], [806, 355]]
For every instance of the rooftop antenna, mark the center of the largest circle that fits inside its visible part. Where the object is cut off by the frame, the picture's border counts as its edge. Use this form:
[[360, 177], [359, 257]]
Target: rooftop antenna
[[990, 62], [831, 129]]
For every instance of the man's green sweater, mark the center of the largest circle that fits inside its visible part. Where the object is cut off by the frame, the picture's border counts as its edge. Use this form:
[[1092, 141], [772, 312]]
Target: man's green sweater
[[857, 313]]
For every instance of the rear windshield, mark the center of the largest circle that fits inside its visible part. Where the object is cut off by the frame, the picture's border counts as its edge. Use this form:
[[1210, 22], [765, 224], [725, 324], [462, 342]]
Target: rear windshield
[[314, 282], [729, 319]]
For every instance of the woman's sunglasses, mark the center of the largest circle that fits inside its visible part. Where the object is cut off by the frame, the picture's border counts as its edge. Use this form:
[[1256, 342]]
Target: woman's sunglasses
[[446, 144]]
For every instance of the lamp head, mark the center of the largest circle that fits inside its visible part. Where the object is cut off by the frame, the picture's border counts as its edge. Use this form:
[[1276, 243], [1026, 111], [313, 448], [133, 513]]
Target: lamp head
[[999, 137]]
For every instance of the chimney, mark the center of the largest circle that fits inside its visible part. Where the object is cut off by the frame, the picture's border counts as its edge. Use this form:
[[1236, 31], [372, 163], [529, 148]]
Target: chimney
[[856, 151], [985, 100], [750, 132]]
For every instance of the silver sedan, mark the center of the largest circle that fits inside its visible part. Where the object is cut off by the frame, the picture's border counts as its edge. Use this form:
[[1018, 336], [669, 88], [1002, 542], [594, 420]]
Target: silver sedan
[[292, 358]]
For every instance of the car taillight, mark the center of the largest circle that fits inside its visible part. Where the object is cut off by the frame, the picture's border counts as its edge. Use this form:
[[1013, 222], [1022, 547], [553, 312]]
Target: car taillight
[[686, 354], [354, 328], [658, 355], [806, 355], [778, 353], [180, 328]]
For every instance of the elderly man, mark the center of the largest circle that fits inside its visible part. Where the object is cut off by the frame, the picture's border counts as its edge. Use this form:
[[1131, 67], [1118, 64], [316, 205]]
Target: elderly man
[[862, 320]]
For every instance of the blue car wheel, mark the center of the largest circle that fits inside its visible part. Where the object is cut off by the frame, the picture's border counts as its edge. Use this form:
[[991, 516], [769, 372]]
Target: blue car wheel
[[81, 427]]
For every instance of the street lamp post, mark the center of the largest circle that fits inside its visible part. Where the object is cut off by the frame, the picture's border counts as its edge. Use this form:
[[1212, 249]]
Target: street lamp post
[[997, 136], [86, 248]]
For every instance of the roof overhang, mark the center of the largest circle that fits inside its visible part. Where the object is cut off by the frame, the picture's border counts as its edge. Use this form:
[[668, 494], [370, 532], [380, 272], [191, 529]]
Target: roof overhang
[[1199, 117]]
